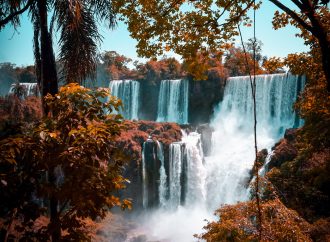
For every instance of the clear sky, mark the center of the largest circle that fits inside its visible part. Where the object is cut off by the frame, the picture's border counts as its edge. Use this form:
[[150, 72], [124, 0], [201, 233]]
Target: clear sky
[[16, 47]]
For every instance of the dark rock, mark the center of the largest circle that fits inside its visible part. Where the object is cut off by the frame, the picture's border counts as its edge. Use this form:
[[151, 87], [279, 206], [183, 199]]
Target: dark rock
[[130, 142], [261, 158], [203, 97], [152, 165], [290, 134], [284, 150], [149, 92], [206, 136]]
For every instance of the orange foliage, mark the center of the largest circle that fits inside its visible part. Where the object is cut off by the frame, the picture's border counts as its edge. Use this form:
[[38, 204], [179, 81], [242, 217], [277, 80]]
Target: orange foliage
[[135, 133], [238, 223], [238, 64]]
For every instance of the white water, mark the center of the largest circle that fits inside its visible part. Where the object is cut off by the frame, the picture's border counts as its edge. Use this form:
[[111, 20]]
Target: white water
[[222, 178], [144, 180], [173, 101], [31, 88], [128, 91], [163, 176], [196, 172], [176, 159], [233, 146]]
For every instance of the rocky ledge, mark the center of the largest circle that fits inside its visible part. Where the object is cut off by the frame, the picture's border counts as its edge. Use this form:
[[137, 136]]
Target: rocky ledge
[[284, 150], [134, 133]]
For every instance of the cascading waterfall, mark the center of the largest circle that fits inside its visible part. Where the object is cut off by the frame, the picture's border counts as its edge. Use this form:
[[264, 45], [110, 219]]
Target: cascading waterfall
[[162, 176], [144, 179], [173, 101], [175, 170], [128, 91], [196, 172], [31, 88], [206, 183], [186, 171], [233, 147]]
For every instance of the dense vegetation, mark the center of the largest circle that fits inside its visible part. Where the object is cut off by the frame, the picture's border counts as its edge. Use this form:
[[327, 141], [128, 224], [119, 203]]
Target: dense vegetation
[[63, 166]]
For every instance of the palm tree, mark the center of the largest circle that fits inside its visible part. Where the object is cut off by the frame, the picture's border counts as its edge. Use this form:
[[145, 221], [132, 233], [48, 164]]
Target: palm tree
[[76, 23]]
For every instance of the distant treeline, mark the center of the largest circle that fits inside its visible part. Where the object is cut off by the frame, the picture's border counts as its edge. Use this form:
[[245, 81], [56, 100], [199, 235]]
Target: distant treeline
[[112, 66]]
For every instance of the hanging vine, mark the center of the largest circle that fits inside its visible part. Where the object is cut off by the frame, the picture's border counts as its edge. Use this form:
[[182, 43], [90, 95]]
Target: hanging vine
[[253, 92]]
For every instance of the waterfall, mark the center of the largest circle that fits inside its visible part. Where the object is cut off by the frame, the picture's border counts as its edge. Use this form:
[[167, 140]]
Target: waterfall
[[232, 153], [173, 101], [186, 173], [30, 88], [163, 176], [196, 172], [175, 170], [198, 185], [128, 91], [144, 179]]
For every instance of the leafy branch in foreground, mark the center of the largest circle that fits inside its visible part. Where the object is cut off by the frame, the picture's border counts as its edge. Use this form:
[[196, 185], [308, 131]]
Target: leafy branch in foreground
[[69, 157], [238, 223]]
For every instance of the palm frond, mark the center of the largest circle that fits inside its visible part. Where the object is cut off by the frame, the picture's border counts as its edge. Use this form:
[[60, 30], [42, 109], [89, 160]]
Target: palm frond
[[10, 11], [78, 40], [103, 10]]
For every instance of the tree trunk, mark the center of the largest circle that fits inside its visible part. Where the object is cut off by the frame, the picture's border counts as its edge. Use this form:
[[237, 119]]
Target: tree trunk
[[325, 49], [55, 227], [49, 84]]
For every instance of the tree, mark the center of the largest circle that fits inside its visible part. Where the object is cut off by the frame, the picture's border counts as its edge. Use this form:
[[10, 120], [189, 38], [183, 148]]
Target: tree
[[240, 63], [115, 64], [77, 142], [273, 65], [188, 27], [8, 76], [153, 70], [26, 74], [237, 223], [76, 22]]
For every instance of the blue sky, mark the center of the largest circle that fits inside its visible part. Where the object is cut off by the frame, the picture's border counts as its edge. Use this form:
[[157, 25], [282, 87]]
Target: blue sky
[[16, 47]]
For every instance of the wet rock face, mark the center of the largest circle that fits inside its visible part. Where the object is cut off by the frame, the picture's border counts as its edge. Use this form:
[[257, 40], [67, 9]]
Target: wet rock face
[[152, 165], [206, 135], [131, 141], [261, 158], [284, 150], [203, 97], [148, 99]]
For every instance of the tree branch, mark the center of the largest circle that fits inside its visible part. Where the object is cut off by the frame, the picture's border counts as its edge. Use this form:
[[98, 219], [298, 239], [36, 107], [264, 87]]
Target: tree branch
[[293, 15], [298, 3], [10, 17]]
